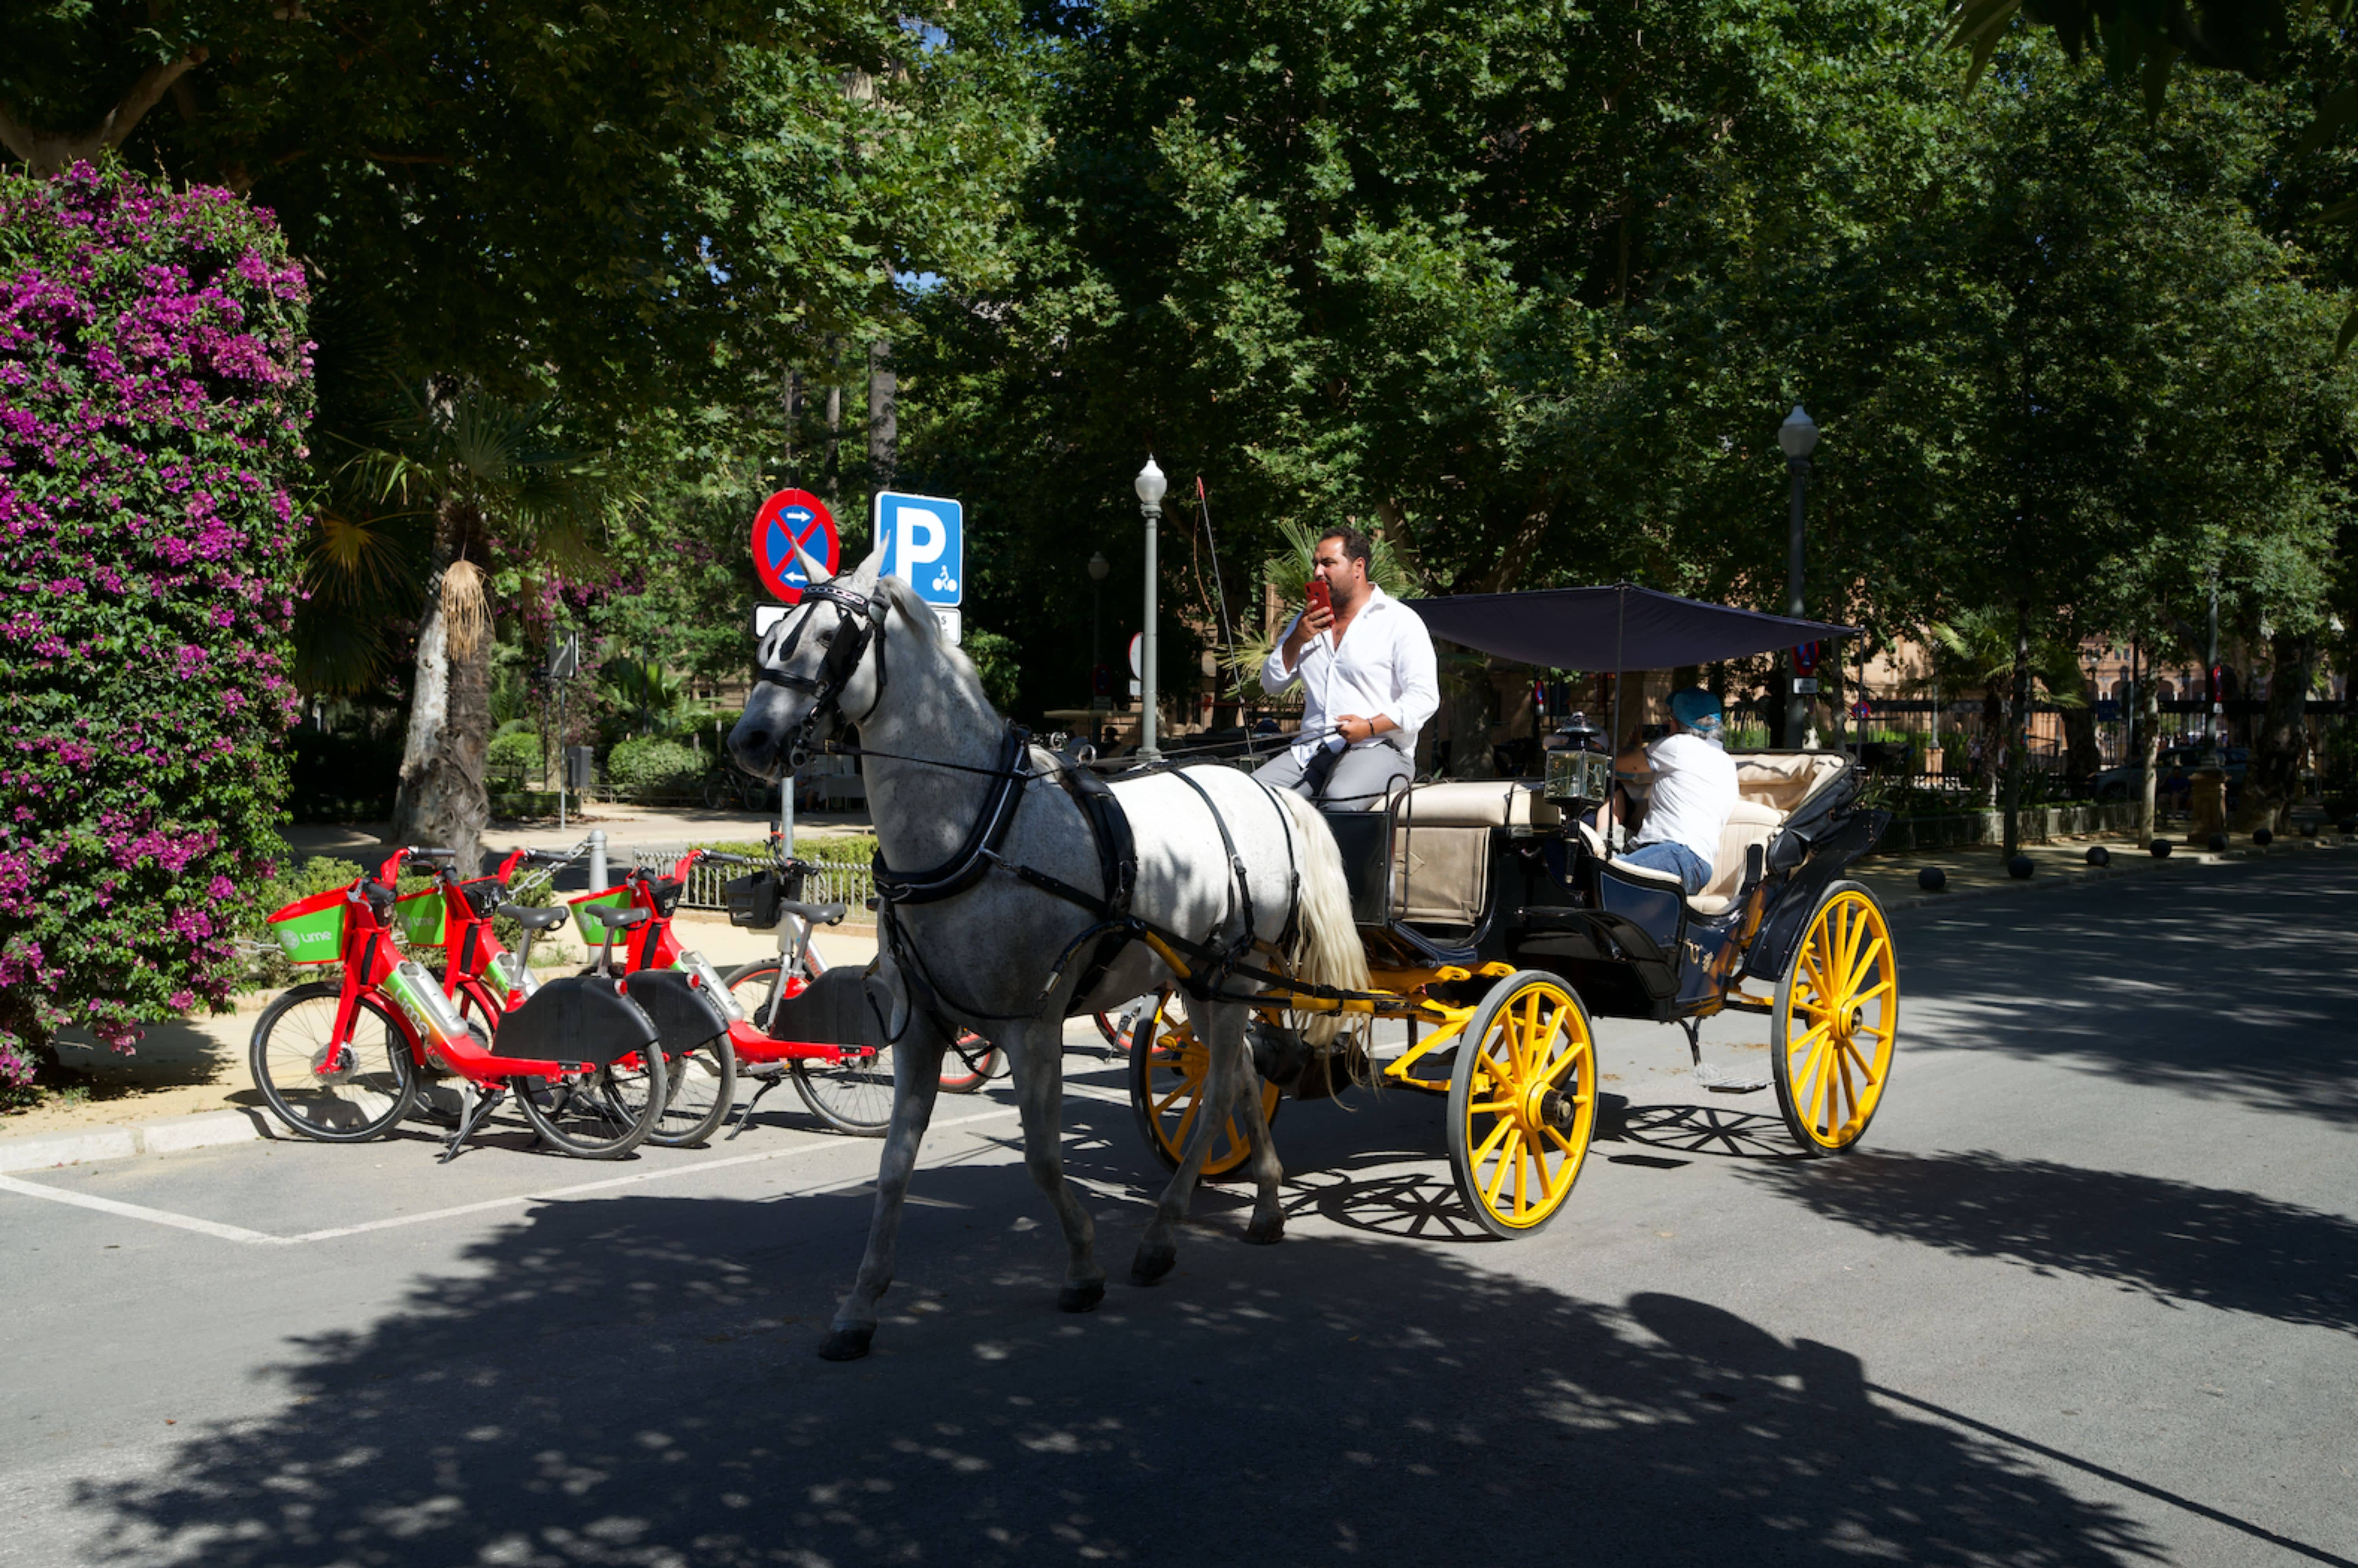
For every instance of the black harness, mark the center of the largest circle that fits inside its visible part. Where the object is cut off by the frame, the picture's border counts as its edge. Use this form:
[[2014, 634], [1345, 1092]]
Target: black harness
[[861, 623], [1116, 925]]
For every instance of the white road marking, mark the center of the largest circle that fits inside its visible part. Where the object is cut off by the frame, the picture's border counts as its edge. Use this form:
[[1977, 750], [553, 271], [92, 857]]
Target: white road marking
[[258, 1238], [136, 1211]]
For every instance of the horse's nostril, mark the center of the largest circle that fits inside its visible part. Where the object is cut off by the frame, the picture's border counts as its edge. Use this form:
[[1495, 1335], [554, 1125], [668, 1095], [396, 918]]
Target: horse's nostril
[[754, 741]]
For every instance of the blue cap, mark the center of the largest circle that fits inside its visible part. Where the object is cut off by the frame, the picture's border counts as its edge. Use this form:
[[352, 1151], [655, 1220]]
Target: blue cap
[[1696, 710]]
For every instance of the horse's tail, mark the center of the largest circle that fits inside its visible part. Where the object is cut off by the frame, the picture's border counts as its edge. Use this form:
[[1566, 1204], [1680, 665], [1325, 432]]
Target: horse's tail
[[1326, 952]]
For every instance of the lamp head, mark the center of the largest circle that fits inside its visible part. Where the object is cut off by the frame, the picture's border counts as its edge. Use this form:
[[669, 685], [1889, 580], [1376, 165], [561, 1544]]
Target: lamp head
[[1150, 484], [1799, 434], [1098, 567]]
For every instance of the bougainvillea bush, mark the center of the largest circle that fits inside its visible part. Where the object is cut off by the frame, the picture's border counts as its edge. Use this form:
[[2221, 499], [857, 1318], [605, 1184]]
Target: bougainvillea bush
[[155, 392]]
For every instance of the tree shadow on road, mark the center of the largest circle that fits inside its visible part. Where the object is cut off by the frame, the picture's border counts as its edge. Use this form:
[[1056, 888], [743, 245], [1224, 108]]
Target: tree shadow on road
[[2234, 1250], [632, 1380], [2232, 985]]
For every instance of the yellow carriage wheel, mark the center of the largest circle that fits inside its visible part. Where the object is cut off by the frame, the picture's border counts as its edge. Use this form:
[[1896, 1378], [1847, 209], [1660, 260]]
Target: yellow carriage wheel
[[1523, 1102], [1167, 1065], [1836, 1021]]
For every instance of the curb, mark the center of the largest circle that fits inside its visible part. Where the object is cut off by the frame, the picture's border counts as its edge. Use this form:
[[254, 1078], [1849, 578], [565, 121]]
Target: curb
[[169, 1135]]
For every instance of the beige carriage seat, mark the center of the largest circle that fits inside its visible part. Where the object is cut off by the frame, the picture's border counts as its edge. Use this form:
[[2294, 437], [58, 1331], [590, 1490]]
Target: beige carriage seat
[[1440, 845], [1781, 781]]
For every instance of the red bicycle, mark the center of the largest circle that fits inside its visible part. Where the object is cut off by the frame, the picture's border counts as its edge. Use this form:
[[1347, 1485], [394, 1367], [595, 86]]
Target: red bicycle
[[341, 1062]]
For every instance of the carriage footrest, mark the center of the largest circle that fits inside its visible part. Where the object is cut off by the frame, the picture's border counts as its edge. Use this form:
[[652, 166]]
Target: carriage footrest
[[1719, 1080]]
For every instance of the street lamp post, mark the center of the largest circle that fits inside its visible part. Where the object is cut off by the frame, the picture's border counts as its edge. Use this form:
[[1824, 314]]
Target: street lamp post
[[1151, 486], [1099, 567], [1799, 436]]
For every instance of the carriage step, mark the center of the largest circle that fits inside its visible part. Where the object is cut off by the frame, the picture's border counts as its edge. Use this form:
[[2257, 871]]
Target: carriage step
[[1721, 1081]]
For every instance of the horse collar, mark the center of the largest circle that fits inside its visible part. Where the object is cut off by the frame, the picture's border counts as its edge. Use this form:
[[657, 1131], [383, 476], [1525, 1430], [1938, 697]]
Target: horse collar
[[966, 868]]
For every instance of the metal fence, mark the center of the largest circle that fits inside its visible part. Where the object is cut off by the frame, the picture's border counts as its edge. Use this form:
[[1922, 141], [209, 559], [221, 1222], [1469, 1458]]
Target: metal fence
[[828, 882]]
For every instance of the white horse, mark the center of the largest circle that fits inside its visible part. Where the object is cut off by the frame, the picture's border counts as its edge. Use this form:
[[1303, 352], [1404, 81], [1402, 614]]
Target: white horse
[[866, 653]]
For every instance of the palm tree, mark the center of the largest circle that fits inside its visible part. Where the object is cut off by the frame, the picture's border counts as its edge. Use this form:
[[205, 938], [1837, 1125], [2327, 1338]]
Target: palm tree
[[1974, 650], [475, 470]]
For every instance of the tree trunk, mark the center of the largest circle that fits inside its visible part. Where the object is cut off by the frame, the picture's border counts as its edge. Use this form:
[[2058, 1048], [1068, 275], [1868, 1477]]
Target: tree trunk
[[2272, 778], [883, 418], [1993, 740], [440, 802], [2017, 730], [2083, 758], [2149, 755]]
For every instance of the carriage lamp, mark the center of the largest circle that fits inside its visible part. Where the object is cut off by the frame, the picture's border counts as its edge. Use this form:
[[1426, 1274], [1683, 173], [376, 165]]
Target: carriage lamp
[[1150, 485], [1799, 436]]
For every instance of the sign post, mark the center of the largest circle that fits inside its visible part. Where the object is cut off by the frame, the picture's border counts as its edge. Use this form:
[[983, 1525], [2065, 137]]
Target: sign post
[[563, 663], [791, 525]]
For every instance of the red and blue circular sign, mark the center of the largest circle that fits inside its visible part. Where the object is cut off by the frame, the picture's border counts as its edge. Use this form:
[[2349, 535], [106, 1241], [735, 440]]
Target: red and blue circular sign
[[789, 521]]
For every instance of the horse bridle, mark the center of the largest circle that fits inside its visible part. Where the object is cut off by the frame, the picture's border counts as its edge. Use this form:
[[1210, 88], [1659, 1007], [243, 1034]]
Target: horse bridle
[[856, 629]]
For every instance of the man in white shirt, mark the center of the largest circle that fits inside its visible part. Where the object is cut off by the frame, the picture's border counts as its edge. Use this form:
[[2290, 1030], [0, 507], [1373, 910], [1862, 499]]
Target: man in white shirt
[[1367, 684], [1694, 793]]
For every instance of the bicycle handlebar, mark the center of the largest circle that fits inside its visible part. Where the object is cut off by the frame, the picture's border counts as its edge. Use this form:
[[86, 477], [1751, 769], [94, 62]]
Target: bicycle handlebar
[[417, 854], [720, 859], [377, 891]]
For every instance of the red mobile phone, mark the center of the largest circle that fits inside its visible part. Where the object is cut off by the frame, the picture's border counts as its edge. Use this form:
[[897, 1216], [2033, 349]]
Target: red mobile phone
[[1320, 595]]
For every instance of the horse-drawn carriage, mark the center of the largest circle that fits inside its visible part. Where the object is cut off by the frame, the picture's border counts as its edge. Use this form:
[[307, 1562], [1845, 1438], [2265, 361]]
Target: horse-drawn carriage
[[1492, 917], [1498, 923]]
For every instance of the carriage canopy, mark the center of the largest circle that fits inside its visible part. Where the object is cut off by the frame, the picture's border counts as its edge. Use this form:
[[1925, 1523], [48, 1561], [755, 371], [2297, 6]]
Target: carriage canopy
[[1618, 627]]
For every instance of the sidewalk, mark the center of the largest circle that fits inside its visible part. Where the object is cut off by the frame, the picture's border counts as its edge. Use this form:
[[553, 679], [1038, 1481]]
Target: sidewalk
[[653, 828], [187, 1084], [1980, 872]]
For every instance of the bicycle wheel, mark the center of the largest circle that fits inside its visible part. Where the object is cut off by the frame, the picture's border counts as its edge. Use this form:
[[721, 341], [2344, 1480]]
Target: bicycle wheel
[[964, 1073], [344, 1092], [603, 1113], [701, 1085]]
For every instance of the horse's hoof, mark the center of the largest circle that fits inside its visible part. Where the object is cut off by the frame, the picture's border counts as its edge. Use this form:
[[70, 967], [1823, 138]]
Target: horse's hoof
[[1149, 1266], [1266, 1233], [1081, 1298], [845, 1344]]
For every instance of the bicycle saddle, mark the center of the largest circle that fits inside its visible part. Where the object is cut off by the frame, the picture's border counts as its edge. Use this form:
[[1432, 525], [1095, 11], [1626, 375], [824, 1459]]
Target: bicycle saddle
[[617, 919], [817, 913], [532, 918]]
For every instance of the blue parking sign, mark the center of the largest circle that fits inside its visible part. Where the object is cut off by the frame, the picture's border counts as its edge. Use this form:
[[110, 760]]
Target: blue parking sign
[[924, 543]]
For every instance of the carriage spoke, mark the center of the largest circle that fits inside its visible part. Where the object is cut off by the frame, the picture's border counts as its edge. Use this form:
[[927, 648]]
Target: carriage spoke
[[1858, 971], [1497, 1174], [1866, 1068], [1497, 1134]]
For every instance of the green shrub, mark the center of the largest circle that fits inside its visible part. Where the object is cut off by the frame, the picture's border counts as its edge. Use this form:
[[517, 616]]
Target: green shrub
[[652, 767], [510, 750]]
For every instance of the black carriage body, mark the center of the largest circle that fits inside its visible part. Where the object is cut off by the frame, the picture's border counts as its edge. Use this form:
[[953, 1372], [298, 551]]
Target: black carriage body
[[1630, 945]]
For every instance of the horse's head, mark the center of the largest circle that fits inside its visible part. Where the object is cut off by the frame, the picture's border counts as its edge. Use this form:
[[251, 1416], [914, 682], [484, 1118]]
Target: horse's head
[[816, 670]]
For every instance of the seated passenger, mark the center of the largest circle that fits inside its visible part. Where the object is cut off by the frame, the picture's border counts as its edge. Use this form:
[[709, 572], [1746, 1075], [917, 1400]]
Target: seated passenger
[[1693, 792]]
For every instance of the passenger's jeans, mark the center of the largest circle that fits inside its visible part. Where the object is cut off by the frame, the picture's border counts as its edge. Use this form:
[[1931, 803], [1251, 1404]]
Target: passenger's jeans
[[1695, 872]]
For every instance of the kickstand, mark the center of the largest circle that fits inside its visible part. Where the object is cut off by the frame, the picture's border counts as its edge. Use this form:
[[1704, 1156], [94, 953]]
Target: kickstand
[[484, 1102], [745, 1118], [1716, 1080]]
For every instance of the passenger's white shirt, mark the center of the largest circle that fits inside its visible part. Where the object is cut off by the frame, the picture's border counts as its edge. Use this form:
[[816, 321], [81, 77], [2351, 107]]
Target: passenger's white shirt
[[1692, 795], [1385, 667]]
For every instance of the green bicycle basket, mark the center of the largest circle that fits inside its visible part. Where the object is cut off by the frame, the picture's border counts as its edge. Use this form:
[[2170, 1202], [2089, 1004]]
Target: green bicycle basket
[[420, 916], [312, 929], [593, 931]]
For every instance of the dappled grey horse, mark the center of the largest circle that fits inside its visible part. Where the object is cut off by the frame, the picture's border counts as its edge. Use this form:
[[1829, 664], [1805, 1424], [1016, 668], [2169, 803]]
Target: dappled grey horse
[[992, 903]]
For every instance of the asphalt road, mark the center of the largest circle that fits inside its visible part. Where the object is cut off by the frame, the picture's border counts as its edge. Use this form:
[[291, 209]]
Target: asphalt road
[[2089, 1296]]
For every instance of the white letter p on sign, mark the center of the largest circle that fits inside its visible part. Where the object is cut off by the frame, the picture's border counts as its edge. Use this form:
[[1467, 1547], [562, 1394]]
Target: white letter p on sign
[[918, 538]]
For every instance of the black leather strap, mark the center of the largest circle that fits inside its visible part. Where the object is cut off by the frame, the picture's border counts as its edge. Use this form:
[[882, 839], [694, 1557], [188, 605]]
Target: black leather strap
[[966, 868], [1117, 861]]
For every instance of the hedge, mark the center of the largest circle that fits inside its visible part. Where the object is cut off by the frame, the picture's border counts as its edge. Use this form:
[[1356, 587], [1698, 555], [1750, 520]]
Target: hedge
[[155, 390]]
